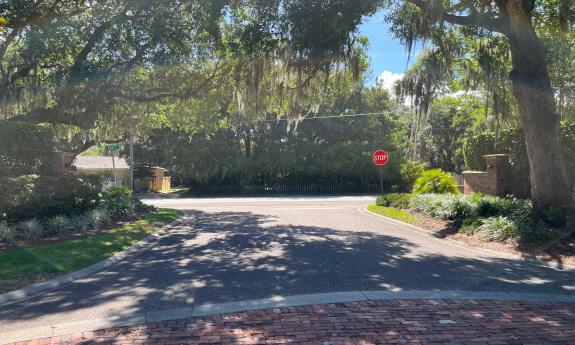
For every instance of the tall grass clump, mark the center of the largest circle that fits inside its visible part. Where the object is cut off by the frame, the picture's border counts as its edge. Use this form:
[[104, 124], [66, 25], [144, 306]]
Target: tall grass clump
[[30, 229]]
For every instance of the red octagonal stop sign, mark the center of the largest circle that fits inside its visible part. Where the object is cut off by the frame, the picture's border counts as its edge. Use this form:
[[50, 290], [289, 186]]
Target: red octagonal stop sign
[[380, 157]]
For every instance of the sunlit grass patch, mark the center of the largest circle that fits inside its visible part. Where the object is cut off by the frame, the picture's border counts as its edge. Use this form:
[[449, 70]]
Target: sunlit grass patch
[[23, 266], [392, 213]]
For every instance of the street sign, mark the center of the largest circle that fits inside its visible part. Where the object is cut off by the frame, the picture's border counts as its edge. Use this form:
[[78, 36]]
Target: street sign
[[380, 157]]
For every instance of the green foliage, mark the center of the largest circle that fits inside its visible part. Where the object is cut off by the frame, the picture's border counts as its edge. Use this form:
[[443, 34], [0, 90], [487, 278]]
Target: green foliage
[[398, 200], [498, 228], [98, 218], [16, 191], [57, 224], [45, 196], [30, 229], [409, 171], [471, 206], [559, 217], [435, 181], [469, 225], [489, 206], [392, 213], [7, 232], [318, 151], [451, 119], [79, 223], [496, 219], [535, 232], [25, 149], [120, 203], [21, 267], [512, 142], [475, 147], [444, 206]]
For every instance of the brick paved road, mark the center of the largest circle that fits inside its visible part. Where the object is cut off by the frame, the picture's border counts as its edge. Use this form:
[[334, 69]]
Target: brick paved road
[[371, 322]]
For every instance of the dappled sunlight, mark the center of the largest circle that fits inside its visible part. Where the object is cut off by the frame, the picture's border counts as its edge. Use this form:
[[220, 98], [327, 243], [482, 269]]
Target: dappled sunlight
[[230, 256]]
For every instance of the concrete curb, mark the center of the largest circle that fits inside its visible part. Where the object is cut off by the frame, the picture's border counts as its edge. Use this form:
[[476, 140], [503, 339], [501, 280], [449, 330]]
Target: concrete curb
[[268, 303], [455, 243], [29, 291]]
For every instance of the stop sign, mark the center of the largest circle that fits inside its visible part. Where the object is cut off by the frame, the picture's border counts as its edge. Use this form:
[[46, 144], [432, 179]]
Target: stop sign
[[380, 157]]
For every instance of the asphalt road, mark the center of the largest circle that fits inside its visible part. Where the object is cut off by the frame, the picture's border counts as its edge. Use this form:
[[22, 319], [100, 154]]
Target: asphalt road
[[246, 248]]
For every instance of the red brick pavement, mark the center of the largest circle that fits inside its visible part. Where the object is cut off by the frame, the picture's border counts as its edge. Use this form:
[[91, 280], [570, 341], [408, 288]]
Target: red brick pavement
[[371, 322]]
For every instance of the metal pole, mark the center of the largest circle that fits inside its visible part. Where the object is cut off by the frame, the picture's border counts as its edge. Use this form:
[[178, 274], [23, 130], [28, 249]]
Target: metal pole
[[381, 178], [131, 141]]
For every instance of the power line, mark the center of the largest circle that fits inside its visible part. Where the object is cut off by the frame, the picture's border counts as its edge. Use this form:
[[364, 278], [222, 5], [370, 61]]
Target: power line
[[312, 118]]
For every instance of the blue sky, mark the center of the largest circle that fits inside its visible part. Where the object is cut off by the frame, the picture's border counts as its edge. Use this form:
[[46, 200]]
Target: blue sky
[[387, 55]]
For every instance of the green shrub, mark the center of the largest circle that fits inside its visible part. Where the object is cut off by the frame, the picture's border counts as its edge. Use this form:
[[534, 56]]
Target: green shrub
[[435, 181], [469, 225], [498, 228], [398, 200], [436, 205], [79, 223], [44, 196], [461, 207], [489, 206], [98, 218], [57, 224], [475, 147], [409, 172], [559, 217], [533, 232], [30, 229], [25, 148], [120, 203], [7, 232], [16, 191]]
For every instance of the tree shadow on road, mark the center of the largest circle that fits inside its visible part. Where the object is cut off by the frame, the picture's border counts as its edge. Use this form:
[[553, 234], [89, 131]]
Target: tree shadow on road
[[229, 256]]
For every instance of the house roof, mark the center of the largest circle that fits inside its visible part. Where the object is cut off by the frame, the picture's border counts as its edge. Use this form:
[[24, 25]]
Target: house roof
[[99, 163]]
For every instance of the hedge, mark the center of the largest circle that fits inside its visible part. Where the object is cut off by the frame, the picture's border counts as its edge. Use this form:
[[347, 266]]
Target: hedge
[[512, 143]]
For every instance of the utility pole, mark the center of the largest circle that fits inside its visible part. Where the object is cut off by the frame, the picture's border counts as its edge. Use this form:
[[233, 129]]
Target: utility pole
[[131, 143]]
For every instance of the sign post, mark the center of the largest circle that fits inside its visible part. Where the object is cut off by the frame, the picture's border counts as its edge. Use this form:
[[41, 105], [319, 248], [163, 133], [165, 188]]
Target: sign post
[[380, 158]]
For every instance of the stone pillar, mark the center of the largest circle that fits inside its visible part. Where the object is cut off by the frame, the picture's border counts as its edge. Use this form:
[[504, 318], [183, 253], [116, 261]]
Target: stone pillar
[[499, 177]]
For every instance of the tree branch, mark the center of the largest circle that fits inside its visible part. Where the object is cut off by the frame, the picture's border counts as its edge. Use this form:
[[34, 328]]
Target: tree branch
[[477, 20], [56, 116], [186, 94]]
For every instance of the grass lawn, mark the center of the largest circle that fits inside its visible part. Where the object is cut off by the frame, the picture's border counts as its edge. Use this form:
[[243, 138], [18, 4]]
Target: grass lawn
[[392, 213], [24, 266]]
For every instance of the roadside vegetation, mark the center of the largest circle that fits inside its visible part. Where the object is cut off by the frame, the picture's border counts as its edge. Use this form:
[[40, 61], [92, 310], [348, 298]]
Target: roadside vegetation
[[246, 97], [392, 213], [487, 218], [32, 263]]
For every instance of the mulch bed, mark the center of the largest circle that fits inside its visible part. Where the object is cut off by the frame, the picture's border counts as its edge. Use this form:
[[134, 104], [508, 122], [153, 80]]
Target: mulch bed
[[562, 253]]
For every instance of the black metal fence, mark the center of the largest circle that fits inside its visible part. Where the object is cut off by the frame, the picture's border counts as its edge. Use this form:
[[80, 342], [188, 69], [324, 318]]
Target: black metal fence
[[238, 189]]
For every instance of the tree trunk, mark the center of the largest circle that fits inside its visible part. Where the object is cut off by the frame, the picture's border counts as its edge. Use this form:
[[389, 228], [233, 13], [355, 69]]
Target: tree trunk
[[248, 142], [550, 184]]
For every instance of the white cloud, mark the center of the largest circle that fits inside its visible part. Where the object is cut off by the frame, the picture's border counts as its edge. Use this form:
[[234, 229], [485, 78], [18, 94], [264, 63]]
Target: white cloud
[[387, 79]]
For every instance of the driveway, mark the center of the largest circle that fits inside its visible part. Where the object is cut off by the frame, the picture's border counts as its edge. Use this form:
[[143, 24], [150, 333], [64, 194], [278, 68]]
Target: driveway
[[232, 249]]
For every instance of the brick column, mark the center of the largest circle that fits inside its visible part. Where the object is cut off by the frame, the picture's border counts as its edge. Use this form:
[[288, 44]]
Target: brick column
[[499, 177], [474, 182]]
